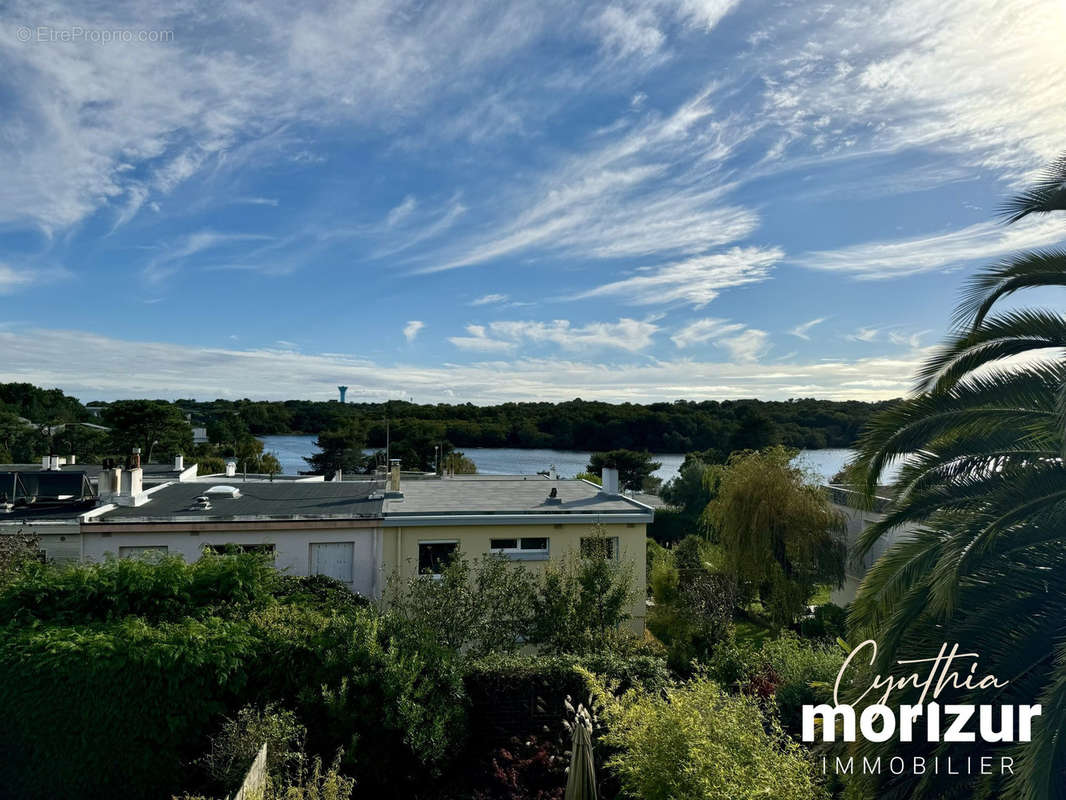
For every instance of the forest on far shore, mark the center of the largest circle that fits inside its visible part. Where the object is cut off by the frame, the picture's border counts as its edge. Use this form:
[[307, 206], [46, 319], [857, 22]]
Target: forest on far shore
[[681, 426]]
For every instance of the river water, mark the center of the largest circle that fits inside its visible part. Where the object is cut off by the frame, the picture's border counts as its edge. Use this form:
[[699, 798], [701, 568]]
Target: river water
[[291, 451]]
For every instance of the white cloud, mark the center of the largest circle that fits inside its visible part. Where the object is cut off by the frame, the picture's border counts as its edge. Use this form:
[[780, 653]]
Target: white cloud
[[13, 280], [743, 344], [629, 32], [174, 255], [42, 357], [480, 341], [695, 280], [412, 328], [803, 330], [657, 189], [872, 76], [984, 241], [489, 300], [625, 334], [98, 124], [704, 330], [864, 335], [401, 212]]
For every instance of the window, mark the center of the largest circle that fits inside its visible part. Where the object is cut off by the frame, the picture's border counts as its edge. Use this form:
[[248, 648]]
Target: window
[[141, 550], [599, 547], [528, 548], [231, 549], [333, 559], [433, 557]]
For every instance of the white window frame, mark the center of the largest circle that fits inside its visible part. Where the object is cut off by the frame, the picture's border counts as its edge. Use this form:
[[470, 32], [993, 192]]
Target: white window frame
[[520, 553]]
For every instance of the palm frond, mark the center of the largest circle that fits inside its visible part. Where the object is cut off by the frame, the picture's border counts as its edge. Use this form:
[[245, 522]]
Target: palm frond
[[1046, 195]]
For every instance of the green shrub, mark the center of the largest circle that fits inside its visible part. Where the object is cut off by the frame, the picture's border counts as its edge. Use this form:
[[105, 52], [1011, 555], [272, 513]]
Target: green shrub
[[398, 708], [137, 697], [112, 710], [237, 743], [829, 621], [156, 588], [699, 742], [314, 783]]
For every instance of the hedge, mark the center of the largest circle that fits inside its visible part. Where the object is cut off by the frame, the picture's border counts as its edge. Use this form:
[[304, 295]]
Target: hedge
[[112, 710]]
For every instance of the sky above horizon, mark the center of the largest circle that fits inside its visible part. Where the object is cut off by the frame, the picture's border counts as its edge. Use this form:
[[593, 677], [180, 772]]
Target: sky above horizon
[[489, 201]]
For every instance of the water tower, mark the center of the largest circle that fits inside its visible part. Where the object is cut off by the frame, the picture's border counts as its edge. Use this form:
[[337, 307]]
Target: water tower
[[343, 390]]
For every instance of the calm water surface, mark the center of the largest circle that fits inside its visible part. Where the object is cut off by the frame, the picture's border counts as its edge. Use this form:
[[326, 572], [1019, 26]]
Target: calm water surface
[[291, 451]]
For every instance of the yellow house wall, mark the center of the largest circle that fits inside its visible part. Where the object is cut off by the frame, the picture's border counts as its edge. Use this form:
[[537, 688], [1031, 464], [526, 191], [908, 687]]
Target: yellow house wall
[[400, 548]]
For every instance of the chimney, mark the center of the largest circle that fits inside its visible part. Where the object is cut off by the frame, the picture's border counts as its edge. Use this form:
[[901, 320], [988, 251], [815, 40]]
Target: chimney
[[72, 459], [231, 468], [610, 480], [394, 477], [338, 475], [53, 462], [136, 458], [45, 461], [179, 463], [109, 482], [131, 491]]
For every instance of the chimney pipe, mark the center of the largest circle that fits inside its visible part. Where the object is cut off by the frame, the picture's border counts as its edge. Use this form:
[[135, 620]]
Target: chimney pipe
[[231, 468], [179, 463], [53, 462], [45, 461], [394, 475], [72, 459], [136, 458]]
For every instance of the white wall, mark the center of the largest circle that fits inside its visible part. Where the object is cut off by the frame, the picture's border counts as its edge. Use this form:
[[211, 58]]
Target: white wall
[[292, 548]]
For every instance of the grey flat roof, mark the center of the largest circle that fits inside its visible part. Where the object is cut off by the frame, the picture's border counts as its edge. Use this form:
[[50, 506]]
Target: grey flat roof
[[283, 500], [506, 496]]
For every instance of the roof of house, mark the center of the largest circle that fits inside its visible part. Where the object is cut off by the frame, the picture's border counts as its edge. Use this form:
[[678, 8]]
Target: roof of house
[[36, 495], [281, 500], [507, 497]]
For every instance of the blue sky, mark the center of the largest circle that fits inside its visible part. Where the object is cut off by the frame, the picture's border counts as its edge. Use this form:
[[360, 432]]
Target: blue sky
[[493, 201]]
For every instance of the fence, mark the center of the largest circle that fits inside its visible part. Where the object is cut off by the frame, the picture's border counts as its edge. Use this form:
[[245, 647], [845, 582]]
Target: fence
[[255, 779]]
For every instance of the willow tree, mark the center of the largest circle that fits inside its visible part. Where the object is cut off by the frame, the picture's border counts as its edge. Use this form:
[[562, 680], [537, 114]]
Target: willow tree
[[777, 529]]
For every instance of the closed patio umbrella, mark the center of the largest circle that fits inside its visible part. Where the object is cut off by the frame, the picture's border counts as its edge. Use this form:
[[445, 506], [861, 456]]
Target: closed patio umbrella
[[581, 782]]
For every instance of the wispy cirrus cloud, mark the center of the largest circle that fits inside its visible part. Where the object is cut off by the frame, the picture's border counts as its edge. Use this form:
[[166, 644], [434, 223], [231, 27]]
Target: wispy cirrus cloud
[[803, 330], [489, 300], [985, 241], [744, 344], [696, 281]]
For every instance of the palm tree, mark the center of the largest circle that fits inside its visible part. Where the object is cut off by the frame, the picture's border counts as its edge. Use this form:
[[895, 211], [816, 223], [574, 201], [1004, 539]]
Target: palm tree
[[983, 479]]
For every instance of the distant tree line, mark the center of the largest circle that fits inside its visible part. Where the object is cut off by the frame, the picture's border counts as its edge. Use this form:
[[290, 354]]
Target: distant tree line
[[678, 427]]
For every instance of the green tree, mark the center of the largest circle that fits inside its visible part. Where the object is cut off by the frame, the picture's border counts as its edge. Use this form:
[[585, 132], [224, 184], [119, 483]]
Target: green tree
[[634, 468], [698, 742], [582, 599], [754, 431], [475, 607], [159, 429], [776, 528], [982, 487], [89, 444], [339, 449]]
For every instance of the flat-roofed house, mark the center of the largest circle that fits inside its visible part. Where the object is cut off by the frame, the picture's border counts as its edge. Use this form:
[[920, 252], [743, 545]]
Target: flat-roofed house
[[528, 519], [310, 528]]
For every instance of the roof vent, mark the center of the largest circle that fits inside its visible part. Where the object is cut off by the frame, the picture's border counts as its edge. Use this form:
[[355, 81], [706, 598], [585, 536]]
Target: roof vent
[[553, 497], [201, 503], [224, 491]]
